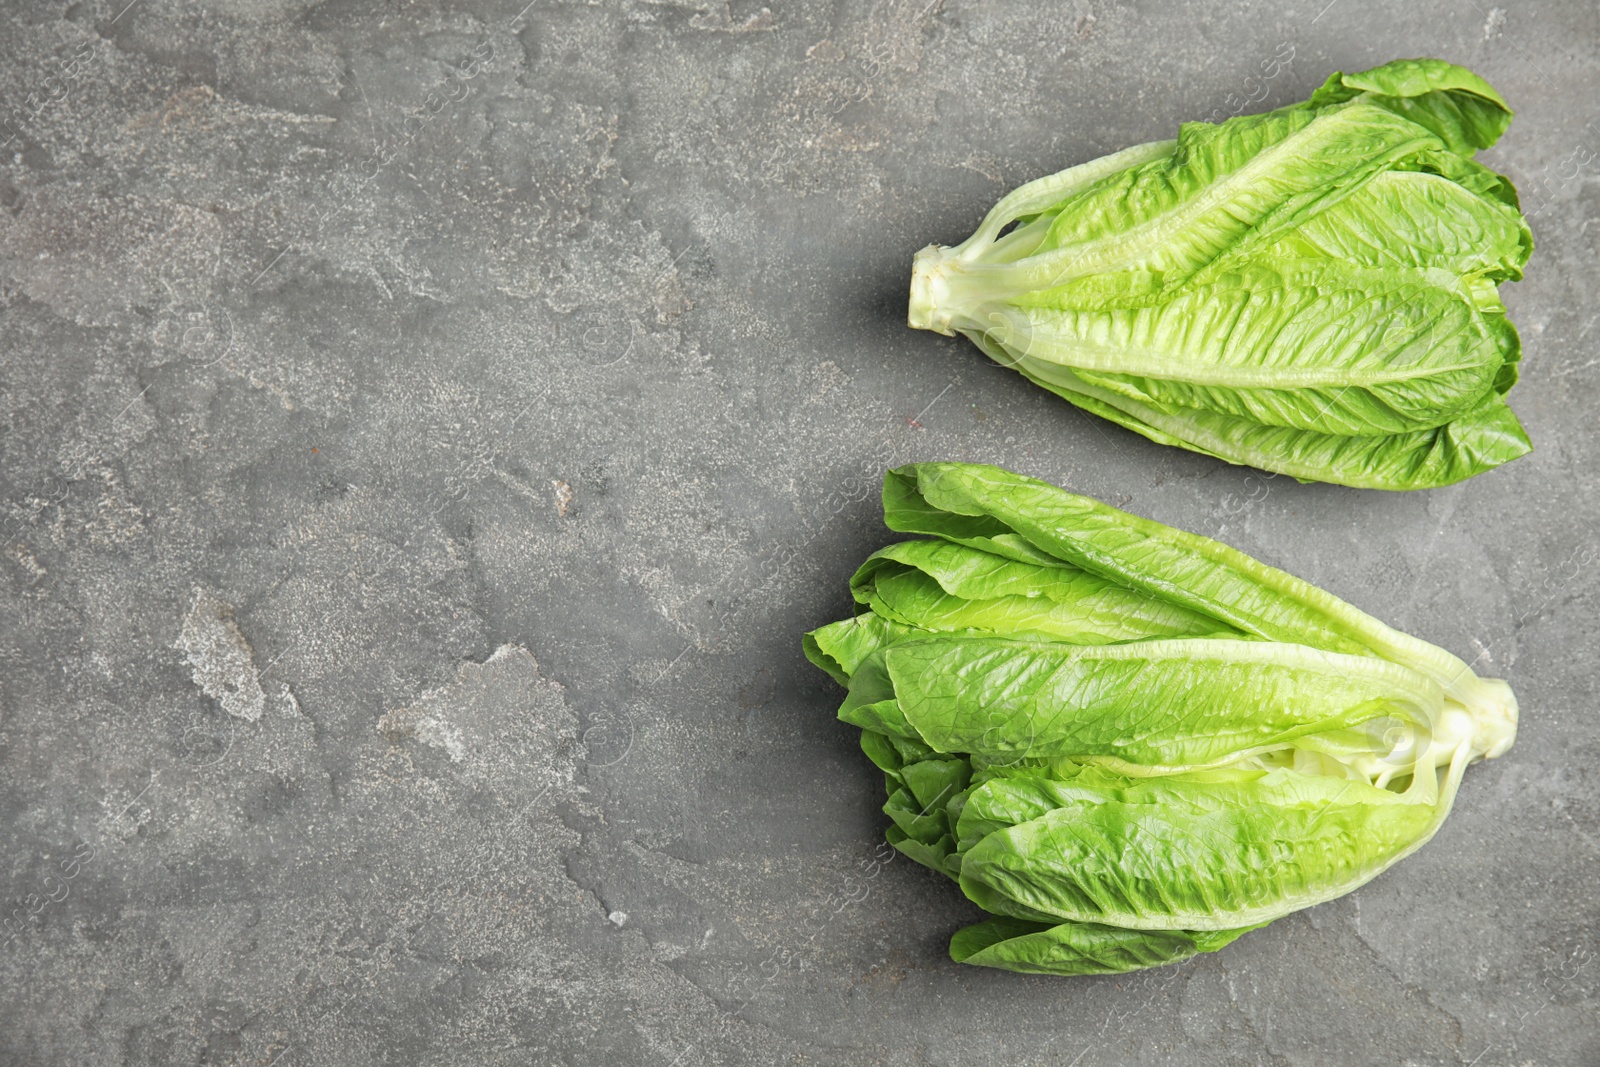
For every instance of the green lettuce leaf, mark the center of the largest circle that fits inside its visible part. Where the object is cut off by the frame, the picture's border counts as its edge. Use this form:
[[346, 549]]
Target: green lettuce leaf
[[1080, 948], [1484, 438], [1175, 853], [993, 509], [839, 647], [1222, 189], [1172, 703], [1459, 230], [940, 586], [1307, 343], [1456, 105]]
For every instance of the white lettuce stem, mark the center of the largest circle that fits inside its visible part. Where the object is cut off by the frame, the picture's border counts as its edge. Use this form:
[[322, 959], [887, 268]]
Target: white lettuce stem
[[930, 292], [1493, 708], [934, 288], [1046, 192]]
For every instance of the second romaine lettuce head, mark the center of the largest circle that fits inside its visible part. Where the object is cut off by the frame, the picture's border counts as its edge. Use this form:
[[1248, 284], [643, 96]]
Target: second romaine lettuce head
[[1128, 743], [1311, 291]]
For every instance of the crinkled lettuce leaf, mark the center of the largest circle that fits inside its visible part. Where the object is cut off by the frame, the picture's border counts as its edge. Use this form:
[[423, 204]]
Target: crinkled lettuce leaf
[[1070, 948]]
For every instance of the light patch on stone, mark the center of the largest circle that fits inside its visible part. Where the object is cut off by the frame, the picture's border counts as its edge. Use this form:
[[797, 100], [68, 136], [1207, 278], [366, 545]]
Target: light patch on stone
[[1494, 23], [220, 659], [422, 725], [563, 495], [499, 718]]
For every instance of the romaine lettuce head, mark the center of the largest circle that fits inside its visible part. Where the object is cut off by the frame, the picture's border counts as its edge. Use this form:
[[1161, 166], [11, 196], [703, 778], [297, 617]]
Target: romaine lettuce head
[[1129, 743], [1310, 291]]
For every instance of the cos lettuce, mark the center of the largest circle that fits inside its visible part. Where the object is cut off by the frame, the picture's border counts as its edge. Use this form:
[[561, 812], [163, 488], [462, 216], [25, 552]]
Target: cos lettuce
[[1128, 743], [1311, 291]]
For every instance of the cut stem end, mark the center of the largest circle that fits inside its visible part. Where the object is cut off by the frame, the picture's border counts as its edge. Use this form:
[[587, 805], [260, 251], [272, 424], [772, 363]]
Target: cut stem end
[[929, 290]]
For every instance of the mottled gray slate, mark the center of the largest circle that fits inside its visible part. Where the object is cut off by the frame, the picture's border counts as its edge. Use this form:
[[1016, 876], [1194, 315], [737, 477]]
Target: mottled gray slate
[[429, 427]]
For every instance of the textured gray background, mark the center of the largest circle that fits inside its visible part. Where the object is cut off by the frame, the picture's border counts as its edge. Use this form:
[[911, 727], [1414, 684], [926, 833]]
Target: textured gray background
[[412, 505]]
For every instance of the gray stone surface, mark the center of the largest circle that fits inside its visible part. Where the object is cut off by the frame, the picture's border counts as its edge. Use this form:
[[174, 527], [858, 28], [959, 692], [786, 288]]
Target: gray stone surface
[[428, 429]]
